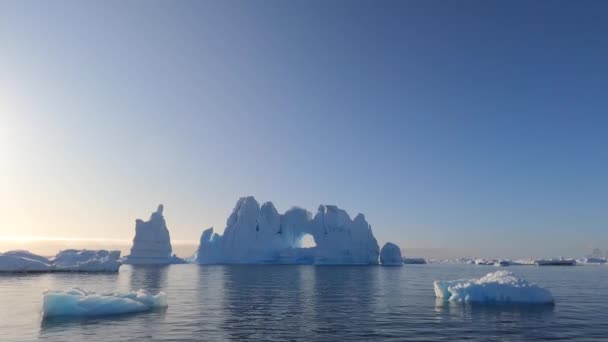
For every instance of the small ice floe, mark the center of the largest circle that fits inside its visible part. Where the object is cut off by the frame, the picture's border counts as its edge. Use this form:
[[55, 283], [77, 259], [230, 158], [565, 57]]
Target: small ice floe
[[497, 287], [78, 302]]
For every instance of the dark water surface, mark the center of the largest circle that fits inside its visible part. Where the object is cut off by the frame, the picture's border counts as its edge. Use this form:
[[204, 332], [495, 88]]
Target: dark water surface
[[308, 303]]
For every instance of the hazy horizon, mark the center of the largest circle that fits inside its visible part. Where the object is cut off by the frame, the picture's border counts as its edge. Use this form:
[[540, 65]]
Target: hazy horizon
[[458, 129]]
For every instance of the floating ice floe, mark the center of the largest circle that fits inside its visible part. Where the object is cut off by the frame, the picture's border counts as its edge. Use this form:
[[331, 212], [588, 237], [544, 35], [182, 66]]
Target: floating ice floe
[[390, 255], [414, 261], [70, 260], [555, 262], [27, 255], [87, 260], [497, 287], [78, 302], [152, 243], [255, 235], [15, 263], [591, 261]]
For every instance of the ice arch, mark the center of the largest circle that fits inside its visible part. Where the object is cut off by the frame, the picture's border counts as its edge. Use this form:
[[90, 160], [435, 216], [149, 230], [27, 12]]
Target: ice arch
[[259, 234], [306, 241]]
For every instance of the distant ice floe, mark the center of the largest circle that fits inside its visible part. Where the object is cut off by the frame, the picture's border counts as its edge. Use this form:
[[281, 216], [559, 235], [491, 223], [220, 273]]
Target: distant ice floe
[[497, 287], [591, 261], [78, 302], [87, 260], [70, 260], [16, 263], [555, 262], [390, 255], [414, 261], [257, 234], [152, 243]]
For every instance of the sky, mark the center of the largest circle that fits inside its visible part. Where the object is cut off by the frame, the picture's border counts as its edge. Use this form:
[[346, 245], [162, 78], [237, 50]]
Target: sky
[[459, 128]]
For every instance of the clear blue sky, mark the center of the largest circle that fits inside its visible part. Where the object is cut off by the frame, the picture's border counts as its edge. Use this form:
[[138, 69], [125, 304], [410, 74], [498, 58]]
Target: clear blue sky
[[461, 127]]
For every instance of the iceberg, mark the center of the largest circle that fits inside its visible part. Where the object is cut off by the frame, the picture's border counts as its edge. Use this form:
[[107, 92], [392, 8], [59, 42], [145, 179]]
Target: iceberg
[[75, 260], [152, 243], [27, 255], [485, 262], [414, 261], [390, 255], [70, 260], [257, 234], [78, 302], [497, 287], [591, 261], [16, 263], [555, 262]]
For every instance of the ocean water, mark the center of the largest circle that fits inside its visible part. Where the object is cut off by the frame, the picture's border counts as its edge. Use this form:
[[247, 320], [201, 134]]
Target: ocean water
[[308, 303]]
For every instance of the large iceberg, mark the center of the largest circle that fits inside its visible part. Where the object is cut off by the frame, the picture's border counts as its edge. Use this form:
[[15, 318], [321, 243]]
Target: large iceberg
[[257, 234], [152, 243], [390, 255], [77, 302], [70, 260], [497, 287]]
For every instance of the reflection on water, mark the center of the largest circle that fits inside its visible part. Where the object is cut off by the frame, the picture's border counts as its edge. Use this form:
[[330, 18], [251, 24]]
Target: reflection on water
[[308, 303], [447, 310], [63, 322], [276, 297], [148, 277]]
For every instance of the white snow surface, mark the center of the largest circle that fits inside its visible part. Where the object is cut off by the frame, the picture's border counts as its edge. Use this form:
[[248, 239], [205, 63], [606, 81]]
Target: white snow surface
[[259, 234], [71, 260], [390, 255], [152, 243], [497, 287], [78, 302]]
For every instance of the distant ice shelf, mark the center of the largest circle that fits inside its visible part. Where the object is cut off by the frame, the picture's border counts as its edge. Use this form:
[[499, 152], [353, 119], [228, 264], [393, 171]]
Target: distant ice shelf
[[497, 287], [78, 302], [414, 261], [70, 260]]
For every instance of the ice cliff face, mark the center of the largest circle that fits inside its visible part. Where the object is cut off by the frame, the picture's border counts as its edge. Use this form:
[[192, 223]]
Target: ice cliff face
[[152, 243], [390, 255], [257, 234]]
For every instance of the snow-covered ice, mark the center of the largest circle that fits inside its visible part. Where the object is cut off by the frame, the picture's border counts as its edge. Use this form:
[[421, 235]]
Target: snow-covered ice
[[15, 263], [390, 255], [497, 287], [27, 255], [591, 261], [87, 260], [485, 262], [152, 243], [78, 302], [70, 260], [259, 234]]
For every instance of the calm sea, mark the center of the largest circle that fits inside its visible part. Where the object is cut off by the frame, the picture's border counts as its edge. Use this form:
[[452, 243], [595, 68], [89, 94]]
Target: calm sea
[[308, 303]]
